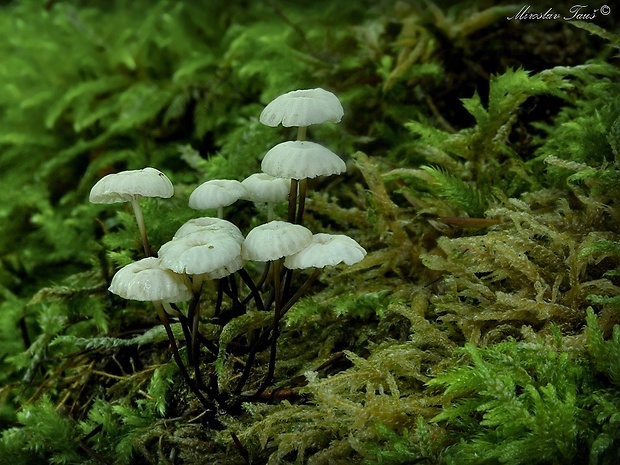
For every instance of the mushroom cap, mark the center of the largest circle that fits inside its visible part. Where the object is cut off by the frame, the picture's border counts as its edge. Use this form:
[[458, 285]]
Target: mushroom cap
[[216, 193], [128, 185], [236, 264], [301, 159], [207, 223], [200, 252], [274, 240], [262, 187], [327, 250], [146, 280], [302, 108]]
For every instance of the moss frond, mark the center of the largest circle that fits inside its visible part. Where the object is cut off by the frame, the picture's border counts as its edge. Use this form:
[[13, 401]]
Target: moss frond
[[454, 191]]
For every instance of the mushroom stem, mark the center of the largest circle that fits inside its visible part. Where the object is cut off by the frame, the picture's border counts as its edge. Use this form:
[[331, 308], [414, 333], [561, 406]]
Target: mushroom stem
[[247, 279], [184, 325], [197, 281], [177, 357], [137, 211], [304, 287], [301, 135], [237, 308], [288, 277], [303, 187], [219, 299], [248, 364], [301, 132], [171, 311], [292, 200], [269, 211], [261, 339], [275, 331], [257, 286], [193, 315], [277, 284], [194, 350]]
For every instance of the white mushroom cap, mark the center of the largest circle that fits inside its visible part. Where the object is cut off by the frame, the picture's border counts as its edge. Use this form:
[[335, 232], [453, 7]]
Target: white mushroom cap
[[262, 187], [202, 252], [327, 250], [128, 185], [208, 223], [146, 280], [236, 264], [301, 159], [302, 108], [216, 193], [274, 240]]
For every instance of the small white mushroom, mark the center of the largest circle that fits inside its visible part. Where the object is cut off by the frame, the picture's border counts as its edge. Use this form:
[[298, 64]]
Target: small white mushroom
[[208, 223], [302, 108], [203, 248], [326, 250], [217, 193], [262, 187], [202, 252], [146, 280], [128, 185], [301, 160], [131, 186], [274, 240]]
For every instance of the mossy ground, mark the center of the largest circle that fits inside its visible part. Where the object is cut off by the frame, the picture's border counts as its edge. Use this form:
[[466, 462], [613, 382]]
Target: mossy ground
[[482, 153]]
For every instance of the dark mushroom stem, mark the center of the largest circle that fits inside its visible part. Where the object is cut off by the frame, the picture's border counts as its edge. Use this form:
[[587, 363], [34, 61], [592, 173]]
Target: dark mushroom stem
[[231, 284], [301, 136], [194, 348], [254, 290], [275, 329], [185, 326], [219, 299], [303, 187], [260, 341], [163, 317], [303, 288], [249, 362], [292, 201]]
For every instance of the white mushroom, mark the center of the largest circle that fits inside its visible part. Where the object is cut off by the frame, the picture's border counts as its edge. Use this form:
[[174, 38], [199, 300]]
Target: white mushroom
[[217, 193], [270, 242], [202, 252], [131, 186], [326, 250], [146, 280], [208, 223], [127, 185], [274, 240], [262, 187], [301, 160], [302, 108], [203, 248]]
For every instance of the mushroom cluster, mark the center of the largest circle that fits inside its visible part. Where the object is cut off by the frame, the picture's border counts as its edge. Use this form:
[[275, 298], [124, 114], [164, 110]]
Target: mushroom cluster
[[300, 160], [215, 250]]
